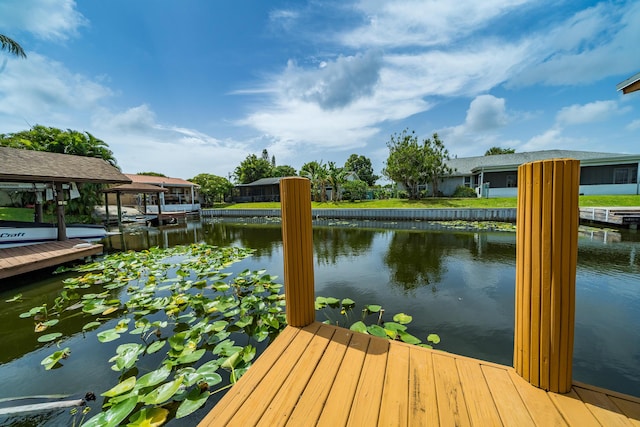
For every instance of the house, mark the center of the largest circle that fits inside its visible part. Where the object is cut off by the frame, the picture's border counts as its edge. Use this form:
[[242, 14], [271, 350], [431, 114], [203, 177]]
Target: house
[[182, 195], [262, 190], [632, 84], [497, 176]]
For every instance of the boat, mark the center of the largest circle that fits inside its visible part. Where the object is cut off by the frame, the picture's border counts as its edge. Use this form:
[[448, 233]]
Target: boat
[[20, 233]]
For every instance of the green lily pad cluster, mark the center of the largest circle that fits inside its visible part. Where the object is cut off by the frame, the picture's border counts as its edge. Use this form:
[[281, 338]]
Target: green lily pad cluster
[[172, 303], [394, 330]]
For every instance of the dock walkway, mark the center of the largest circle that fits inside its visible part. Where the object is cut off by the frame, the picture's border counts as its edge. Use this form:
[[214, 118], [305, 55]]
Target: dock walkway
[[23, 259], [326, 375]]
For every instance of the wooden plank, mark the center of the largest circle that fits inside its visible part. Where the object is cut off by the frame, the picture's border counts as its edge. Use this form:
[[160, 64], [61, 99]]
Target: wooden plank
[[546, 262], [452, 409], [539, 405], [605, 410], [574, 410], [236, 397], [556, 279], [511, 408], [341, 395], [536, 273], [310, 404], [629, 408], [283, 403], [423, 404], [394, 410], [366, 402], [482, 409]]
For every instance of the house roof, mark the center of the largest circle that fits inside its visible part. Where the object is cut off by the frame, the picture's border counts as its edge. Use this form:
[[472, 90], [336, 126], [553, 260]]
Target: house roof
[[632, 84], [23, 165], [135, 188], [262, 181], [469, 165], [160, 180]]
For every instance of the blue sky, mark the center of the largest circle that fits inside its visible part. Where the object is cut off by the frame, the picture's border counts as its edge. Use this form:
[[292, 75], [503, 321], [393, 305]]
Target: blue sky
[[194, 86]]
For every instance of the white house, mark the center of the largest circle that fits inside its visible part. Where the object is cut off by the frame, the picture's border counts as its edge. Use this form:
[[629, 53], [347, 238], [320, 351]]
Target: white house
[[497, 176]]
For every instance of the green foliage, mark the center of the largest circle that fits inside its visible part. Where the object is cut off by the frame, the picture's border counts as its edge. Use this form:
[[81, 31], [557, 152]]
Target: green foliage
[[464, 191], [283, 170], [252, 169], [11, 46], [412, 163], [318, 175], [371, 320], [212, 187], [361, 165], [336, 179], [498, 150], [152, 174], [354, 190]]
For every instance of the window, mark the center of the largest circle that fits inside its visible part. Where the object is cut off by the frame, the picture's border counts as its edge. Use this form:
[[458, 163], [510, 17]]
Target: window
[[512, 181], [467, 181], [625, 175]]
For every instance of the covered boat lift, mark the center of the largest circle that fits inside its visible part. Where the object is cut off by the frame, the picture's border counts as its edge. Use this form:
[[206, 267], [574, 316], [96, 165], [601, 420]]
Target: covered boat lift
[[40, 171], [132, 188]]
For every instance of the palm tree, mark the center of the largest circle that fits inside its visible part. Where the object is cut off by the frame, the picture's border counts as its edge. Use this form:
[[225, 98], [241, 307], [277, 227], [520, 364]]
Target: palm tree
[[335, 177], [12, 46], [317, 174]]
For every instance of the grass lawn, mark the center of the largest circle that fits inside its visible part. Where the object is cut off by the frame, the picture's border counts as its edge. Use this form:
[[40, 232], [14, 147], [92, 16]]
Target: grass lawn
[[26, 214], [511, 202]]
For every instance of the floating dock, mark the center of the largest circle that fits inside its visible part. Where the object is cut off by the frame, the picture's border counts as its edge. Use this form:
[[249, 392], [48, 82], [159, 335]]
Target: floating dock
[[23, 259]]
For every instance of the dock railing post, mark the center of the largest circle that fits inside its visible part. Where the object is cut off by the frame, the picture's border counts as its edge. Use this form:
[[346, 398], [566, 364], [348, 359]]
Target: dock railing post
[[297, 241], [546, 257]]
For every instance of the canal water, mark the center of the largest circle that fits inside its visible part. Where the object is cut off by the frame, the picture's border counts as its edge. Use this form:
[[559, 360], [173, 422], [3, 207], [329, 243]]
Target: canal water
[[456, 282]]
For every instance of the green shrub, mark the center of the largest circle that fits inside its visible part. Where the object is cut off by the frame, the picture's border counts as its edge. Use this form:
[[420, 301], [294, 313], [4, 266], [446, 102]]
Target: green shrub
[[462, 191]]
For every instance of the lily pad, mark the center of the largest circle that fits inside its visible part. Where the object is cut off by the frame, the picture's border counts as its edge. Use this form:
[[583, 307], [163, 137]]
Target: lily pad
[[163, 393], [49, 337], [148, 417], [121, 388], [195, 399]]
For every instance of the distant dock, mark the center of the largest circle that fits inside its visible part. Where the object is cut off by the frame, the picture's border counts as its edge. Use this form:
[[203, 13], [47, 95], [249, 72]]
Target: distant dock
[[24, 259], [627, 217]]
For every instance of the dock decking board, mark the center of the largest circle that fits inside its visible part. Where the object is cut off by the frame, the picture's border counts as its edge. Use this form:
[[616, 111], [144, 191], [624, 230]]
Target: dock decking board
[[23, 259], [326, 375]]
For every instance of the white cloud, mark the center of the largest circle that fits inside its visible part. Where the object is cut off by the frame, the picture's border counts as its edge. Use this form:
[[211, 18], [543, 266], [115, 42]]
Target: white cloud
[[46, 19], [486, 113], [422, 23], [587, 113]]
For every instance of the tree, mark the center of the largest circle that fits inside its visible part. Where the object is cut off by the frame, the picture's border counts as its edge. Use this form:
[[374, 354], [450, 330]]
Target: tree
[[317, 174], [283, 170], [12, 46], [498, 150], [212, 187], [361, 165], [252, 169], [152, 174], [412, 163], [335, 178], [355, 190]]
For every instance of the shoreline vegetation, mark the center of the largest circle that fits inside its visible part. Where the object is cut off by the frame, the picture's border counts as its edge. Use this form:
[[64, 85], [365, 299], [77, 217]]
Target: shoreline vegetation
[[440, 203], [26, 214]]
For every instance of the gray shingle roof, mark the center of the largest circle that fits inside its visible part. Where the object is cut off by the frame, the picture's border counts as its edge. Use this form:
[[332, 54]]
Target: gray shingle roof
[[39, 166], [466, 165], [262, 181]]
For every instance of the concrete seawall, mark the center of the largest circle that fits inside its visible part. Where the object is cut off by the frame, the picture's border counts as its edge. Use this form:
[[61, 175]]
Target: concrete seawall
[[503, 214]]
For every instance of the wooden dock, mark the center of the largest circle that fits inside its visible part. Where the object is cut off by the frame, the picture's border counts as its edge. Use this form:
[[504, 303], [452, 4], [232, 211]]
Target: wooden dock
[[317, 374], [628, 217], [23, 259], [326, 375]]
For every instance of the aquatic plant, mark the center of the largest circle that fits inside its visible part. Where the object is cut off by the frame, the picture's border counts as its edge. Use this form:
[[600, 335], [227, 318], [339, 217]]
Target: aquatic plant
[[184, 324]]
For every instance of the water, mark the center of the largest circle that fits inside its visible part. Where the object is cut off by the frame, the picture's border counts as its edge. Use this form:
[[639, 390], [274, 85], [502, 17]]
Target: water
[[456, 283]]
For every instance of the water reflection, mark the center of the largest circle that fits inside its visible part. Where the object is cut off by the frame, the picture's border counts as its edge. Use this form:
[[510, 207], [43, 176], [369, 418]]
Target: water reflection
[[458, 283]]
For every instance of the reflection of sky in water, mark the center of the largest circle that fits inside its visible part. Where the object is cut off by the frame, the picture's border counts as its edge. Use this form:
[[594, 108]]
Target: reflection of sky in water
[[464, 288]]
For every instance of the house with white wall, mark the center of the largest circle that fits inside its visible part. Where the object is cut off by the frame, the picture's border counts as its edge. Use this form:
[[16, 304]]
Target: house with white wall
[[497, 175]]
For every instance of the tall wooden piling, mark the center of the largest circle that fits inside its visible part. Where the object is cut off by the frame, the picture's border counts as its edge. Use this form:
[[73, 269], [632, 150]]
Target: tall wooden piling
[[297, 240], [546, 257]]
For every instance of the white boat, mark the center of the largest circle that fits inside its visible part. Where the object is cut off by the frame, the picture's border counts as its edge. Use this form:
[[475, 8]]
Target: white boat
[[19, 233]]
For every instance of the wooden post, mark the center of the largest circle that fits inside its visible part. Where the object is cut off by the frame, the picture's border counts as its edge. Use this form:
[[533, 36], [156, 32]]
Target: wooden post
[[546, 257], [297, 241], [106, 209], [119, 204], [62, 226]]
